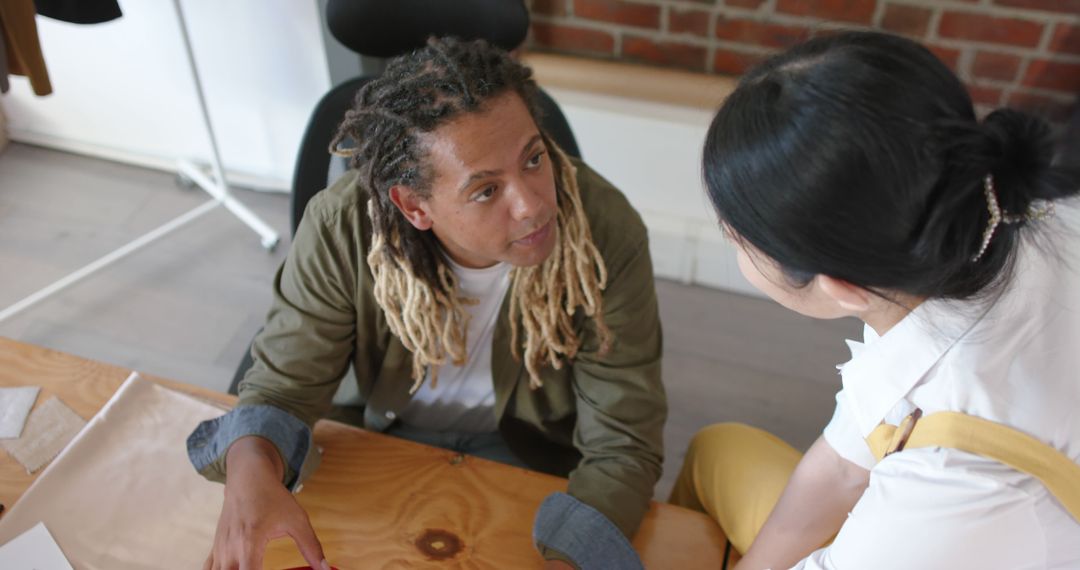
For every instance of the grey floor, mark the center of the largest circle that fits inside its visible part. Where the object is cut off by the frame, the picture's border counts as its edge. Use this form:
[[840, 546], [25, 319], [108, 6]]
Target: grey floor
[[186, 306]]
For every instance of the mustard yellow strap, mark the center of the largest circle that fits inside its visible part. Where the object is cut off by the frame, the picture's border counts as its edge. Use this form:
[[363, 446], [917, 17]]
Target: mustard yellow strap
[[992, 440]]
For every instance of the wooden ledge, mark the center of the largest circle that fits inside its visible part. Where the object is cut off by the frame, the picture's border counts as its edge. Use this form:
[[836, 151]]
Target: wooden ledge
[[632, 81]]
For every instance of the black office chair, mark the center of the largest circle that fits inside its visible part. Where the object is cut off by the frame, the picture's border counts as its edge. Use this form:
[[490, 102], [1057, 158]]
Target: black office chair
[[386, 28]]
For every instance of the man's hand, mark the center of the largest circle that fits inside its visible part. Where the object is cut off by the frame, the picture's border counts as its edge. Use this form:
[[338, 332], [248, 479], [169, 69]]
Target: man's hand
[[258, 509]]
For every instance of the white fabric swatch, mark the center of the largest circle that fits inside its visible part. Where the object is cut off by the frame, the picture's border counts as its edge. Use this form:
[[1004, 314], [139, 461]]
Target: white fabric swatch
[[34, 549], [51, 426], [15, 406]]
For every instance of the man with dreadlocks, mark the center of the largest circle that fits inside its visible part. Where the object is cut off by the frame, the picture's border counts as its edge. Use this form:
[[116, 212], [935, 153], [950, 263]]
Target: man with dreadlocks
[[493, 296]]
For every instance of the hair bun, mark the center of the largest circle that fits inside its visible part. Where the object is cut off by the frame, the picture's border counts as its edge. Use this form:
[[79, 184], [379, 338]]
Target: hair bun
[[1022, 154]]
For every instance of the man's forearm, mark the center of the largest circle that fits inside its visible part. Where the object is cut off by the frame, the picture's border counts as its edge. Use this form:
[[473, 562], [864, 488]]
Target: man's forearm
[[822, 491]]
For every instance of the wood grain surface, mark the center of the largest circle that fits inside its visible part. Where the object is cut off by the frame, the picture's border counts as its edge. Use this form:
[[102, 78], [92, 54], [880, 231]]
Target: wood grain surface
[[378, 501]]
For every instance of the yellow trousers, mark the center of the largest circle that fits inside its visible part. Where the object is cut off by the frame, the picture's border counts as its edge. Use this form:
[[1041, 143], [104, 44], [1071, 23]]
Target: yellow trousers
[[735, 473]]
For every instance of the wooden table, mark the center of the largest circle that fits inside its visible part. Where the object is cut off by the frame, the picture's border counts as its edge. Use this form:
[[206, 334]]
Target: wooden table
[[378, 501]]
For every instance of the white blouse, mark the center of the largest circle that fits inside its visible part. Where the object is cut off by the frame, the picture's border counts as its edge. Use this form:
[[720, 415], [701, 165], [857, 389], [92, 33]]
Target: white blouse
[[1014, 360]]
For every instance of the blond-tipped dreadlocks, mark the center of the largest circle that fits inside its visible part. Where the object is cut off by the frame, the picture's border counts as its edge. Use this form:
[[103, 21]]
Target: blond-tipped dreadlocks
[[413, 284], [430, 321], [547, 295]]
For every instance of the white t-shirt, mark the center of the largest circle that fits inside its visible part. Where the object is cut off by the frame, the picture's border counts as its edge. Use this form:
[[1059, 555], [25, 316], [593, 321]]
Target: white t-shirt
[[463, 399], [1016, 362]]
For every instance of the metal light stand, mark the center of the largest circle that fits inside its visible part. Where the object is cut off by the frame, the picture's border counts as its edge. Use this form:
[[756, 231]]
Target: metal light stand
[[217, 188]]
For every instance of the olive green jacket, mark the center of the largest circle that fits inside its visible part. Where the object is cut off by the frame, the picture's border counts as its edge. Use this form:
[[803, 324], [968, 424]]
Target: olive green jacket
[[599, 419]]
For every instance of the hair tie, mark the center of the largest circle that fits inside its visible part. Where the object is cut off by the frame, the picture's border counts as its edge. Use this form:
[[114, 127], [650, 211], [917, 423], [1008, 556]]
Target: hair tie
[[999, 216]]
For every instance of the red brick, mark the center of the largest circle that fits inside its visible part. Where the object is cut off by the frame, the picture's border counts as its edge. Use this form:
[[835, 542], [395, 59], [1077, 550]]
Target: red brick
[[549, 7], [1048, 107], [907, 20], [749, 4], [1063, 6], [994, 65], [618, 12], [572, 38], [949, 56], [977, 27], [694, 22], [1066, 39], [985, 95], [732, 62], [674, 54], [1057, 75], [855, 11], [759, 33]]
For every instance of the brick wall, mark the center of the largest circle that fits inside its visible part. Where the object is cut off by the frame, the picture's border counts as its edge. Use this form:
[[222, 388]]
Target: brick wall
[[1020, 53]]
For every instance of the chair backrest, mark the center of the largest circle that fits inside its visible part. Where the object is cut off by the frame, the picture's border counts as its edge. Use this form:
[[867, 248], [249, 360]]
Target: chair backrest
[[387, 28]]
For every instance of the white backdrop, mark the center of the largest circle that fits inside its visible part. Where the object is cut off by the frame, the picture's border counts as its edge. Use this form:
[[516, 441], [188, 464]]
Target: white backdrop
[[122, 89]]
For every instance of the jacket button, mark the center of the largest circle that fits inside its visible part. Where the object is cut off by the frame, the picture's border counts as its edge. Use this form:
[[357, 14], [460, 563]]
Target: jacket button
[[390, 415]]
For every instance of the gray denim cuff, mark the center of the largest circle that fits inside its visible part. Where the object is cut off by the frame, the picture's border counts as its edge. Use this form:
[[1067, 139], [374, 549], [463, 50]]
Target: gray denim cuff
[[583, 534], [292, 438]]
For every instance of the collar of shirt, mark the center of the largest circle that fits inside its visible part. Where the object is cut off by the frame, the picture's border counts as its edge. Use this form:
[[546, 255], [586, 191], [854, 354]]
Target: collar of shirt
[[883, 369], [481, 282]]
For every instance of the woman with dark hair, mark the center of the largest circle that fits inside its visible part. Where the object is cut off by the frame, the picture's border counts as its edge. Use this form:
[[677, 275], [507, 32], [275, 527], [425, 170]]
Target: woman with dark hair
[[855, 180]]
